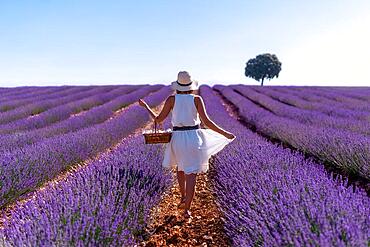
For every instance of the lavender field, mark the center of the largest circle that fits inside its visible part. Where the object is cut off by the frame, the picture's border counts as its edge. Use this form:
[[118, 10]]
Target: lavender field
[[74, 169]]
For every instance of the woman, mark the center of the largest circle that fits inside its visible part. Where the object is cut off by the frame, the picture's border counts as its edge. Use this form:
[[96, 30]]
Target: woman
[[190, 146]]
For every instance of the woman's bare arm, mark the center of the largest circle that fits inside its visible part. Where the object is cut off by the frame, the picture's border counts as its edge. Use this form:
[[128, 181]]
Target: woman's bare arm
[[168, 105], [205, 119]]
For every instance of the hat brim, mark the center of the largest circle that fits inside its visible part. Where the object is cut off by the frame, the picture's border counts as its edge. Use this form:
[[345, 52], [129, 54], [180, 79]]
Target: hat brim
[[193, 86]]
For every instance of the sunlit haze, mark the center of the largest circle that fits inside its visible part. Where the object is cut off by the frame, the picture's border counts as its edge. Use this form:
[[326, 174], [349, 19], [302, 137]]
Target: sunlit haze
[[49, 42]]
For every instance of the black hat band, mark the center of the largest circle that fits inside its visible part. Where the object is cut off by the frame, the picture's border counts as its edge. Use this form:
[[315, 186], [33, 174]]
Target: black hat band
[[184, 84]]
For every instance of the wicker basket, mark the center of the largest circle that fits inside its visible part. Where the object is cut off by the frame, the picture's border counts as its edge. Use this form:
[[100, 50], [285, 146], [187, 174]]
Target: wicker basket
[[157, 137]]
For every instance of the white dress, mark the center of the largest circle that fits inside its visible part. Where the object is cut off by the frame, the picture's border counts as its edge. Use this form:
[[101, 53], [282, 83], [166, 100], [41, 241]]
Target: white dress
[[190, 149]]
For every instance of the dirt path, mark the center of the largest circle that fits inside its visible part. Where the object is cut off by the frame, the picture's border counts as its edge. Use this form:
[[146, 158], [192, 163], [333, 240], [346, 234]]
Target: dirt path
[[167, 227], [66, 174]]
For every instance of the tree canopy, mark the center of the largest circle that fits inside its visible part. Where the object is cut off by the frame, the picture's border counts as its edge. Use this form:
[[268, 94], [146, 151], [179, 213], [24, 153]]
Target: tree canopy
[[264, 66]]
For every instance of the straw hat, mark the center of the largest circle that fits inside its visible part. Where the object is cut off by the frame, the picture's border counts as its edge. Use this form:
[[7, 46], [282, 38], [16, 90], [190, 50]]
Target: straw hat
[[184, 82]]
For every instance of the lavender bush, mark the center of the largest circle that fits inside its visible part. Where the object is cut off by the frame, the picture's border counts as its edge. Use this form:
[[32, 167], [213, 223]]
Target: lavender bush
[[64, 111], [304, 116], [91, 117], [311, 97], [43, 105], [345, 101], [25, 169], [10, 103], [362, 94], [347, 151], [105, 204], [328, 107], [10, 94], [271, 196]]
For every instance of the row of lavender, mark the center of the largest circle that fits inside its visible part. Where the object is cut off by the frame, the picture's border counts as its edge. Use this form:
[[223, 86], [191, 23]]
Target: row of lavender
[[105, 204], [301, 115], [271, 196], [95, 113], [345, 150], [361, 94], [65, 109], [8, 103], [301, 100], [24, 169], [13, 94], [333, 99], [348, 93], [345, 101], [41, 105]]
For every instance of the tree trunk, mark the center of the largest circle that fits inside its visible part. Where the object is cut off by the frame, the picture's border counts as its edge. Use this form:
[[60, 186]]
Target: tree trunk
[[262, 82]]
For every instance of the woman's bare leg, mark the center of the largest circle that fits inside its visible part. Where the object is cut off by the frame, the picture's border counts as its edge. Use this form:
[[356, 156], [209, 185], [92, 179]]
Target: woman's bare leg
[[190, 189], [181, 180]]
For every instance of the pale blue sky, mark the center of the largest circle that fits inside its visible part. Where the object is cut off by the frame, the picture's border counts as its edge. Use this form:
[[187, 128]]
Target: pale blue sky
[[56, 42]]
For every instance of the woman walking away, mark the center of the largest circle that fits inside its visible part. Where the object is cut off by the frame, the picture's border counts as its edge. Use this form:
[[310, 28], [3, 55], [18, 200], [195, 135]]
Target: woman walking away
[[191, 146]]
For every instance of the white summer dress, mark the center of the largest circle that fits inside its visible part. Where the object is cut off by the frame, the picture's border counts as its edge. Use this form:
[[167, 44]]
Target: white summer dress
[[190, 149]]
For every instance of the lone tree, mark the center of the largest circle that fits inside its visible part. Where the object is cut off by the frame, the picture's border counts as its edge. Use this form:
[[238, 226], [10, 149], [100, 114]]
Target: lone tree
[[263, 66]]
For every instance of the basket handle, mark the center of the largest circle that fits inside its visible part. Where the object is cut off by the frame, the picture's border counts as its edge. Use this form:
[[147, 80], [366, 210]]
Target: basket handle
[[155, 126]]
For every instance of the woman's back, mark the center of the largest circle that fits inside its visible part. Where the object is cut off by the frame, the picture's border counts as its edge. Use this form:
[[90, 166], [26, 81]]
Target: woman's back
[[184, 112]]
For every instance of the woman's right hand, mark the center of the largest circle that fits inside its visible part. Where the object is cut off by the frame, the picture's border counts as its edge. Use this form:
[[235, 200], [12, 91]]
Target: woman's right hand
[[229, 136]]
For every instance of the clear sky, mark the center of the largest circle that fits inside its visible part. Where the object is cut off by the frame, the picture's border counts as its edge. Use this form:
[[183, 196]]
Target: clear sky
[[81, 42]]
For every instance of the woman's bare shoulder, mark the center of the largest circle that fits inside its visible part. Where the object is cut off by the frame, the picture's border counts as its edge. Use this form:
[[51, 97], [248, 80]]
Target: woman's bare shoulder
[[198, 100]]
